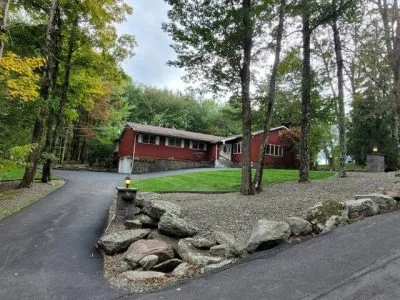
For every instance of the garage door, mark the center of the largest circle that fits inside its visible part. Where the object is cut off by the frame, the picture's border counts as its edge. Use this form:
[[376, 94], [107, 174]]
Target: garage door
[[125, 165]]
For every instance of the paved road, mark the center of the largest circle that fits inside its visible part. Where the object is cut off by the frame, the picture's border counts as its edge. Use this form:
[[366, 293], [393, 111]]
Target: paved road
[[46, 253], [360, 261]]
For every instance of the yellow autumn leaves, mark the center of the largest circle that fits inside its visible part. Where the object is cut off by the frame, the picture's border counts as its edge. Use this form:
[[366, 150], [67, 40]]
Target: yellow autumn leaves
[[20, 76]]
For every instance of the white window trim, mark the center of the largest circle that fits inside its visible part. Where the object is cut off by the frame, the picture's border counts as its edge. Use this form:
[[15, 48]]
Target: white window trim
[[204, 148], [235, 150], [182, 142], [140, 139], [275, 148]]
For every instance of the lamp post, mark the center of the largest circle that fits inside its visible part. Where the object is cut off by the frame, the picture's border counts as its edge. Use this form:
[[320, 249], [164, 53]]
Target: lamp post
[[375, 149], [128, 181]]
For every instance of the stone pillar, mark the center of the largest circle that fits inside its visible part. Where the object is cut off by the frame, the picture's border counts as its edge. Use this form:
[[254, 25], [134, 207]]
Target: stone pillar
[[126, 199], [376, 162]]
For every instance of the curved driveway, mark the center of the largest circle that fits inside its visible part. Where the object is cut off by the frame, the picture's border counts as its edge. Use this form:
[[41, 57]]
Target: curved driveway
[[47, 252]]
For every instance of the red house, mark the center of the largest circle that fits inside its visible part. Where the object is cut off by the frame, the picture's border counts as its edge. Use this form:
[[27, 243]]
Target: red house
[[145, 148], [278, 155]]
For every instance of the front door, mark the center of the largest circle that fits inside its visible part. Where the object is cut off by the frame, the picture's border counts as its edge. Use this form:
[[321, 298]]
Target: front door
[[226, 151]]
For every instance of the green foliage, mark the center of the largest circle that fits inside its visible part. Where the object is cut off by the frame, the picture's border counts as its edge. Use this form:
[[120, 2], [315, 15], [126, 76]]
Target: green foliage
[[163, 107], [15, 157], [46, 157], [370, 126]]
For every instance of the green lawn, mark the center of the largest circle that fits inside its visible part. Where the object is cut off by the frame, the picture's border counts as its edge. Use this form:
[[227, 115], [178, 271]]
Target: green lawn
[[16, 174], [217, 181]]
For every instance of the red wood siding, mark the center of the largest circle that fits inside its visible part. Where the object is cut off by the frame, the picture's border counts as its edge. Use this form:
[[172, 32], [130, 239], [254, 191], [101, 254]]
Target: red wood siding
[[161, 151], [288, 160], [126, 143]]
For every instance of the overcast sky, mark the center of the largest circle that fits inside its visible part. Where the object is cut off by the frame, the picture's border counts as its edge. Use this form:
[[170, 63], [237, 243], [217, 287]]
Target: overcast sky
[[149, 64]]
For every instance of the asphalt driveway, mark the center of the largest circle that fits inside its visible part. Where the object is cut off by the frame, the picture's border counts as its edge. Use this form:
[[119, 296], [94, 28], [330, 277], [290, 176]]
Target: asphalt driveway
[[47, 250]]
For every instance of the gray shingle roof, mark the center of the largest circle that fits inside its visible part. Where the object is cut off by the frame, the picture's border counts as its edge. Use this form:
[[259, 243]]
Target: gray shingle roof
[[234, 137], [183, 134]]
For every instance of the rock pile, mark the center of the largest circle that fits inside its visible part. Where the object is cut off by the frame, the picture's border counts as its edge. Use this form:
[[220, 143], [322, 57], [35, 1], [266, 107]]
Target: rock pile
[[159, 243]]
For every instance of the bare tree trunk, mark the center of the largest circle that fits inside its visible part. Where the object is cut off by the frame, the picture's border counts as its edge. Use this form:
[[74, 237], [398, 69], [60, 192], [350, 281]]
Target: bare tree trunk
[[46, 174], [392, 41], [4, 7], [396, 69], [65, 87], [341, 117], [330, 159], [270, 99], [39, 131], [247, 184], [306, 97], [57, 43]]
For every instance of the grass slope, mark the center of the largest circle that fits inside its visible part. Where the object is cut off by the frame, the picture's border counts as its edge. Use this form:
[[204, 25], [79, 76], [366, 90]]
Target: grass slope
[[217, 181], [17, 174]]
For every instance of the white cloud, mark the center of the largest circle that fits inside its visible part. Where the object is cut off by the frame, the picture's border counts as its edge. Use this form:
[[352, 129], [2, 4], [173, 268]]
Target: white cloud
[[149, 66]]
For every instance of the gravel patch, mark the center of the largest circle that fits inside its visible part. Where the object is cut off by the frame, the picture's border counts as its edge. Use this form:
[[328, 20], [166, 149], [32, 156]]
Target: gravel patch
[[13, 200], [236, 214]]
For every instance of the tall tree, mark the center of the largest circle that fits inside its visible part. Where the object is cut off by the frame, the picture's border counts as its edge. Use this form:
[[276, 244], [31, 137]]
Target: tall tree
[[341, 117], [214, 43], [270, 98], [39, 129], [391, 28], [314, 14], [4, 7], [247, 184], [306, 93]]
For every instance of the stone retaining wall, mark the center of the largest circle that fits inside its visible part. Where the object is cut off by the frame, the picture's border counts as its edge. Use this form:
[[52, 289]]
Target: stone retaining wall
[[141, 167]]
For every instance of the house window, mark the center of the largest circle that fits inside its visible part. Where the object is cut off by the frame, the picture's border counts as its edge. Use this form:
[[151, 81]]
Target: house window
[[174, 142], [237, 148], [198, 145], [149, 139], [275, 150]]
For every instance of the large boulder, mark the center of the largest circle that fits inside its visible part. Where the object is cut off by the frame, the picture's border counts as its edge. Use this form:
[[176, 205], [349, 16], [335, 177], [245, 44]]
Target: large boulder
[[147, 221], [183, 270], [172, 225], [132, 224], [148, 261], [220, 250], [156, 208], [201, 243], [362, 208], [195, 256], [394, 193], [325, 216], [167, 266], [299, 226], [212, 267], [142, 248], [156, 235], [119, 241], [139, 276], [267, 234], [384, 201], [143, 198], [223, 238]]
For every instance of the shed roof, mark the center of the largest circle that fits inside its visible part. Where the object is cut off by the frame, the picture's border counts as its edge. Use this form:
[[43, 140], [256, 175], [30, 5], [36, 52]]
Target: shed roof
[[183, 134]]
